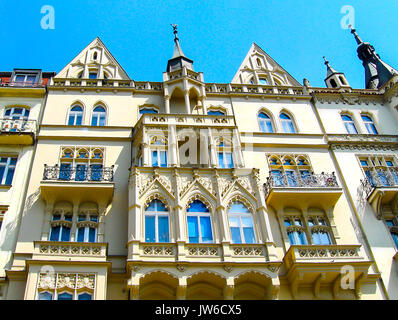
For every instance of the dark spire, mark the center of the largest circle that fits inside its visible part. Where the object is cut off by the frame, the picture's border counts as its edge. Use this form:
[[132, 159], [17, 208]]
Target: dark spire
[[329, 70], [178, 60], [377, 72]]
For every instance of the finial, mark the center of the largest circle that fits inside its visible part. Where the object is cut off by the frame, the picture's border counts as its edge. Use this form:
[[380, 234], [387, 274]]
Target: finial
[[326, 62], [354, 32], [175, 31]]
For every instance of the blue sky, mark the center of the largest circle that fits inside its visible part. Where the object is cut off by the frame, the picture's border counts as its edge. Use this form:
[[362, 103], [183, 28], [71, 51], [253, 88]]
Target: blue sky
[[216, 34]]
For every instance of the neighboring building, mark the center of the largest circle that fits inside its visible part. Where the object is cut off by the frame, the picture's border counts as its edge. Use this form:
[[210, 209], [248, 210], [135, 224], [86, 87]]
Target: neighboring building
[[183, 189], [22, 97]]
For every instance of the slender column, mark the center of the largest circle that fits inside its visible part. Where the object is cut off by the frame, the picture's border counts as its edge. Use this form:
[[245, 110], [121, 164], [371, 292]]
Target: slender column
[[213, 155], [182, 288], [74, 219], [187, 102], [167, 104], [101, 222], [173, 145]]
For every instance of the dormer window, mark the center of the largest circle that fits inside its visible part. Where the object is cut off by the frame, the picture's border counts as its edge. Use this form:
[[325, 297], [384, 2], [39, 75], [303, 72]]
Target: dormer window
[[25, 78], [95, 56]]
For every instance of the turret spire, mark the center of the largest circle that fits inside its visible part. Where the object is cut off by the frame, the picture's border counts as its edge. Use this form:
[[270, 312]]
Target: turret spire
[[334, 79], [377, 72], [178, 60]]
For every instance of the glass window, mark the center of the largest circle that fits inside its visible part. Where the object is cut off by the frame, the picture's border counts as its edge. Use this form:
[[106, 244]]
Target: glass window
[[287, 123], [199, 223], [92, 75], [216, 113], [241, 224], [159, 158], [148, 110], [321, 237], [297, 238], [99, 116], [75, 116], [17, 113], [87, 233], [65, 296], [84, 296], [349, 124], [65, 171], [156, 222], [265, 123], [7, 170], [369, 124], [45, 296], [225, 160], [263, 81], [81, 172]]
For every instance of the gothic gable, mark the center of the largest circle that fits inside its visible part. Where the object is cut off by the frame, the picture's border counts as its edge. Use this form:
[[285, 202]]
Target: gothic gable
[[259, 68], [95, 59]]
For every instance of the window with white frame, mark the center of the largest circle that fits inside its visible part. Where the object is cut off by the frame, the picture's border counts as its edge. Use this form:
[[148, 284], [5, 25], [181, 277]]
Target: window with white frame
[[287, 123], [16, 113], [7, 169], [87, 226], [75, 116], [295, 230], [25, 78], [156, 222], [158, 146], [349, 124], [225, 153], [369, 124], [61, 224], [199, 223], [241, 223], [99, 116], [265, 122], [319, 230]]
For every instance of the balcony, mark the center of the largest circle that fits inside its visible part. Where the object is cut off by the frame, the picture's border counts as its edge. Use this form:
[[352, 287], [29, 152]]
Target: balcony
[[379, 189], [17, 131], [84, 184], [69, 251], [317, 190], [199, 252], [21, 84], [316, 265]]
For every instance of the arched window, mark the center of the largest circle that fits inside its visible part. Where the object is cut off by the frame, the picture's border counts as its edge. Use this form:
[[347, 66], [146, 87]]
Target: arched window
[[295, 230], [84, 296], [156, 222], [263, 81], [265, 123], [258, 62], [349, 124], [99, 116], [65, 296], [61, 224], [75, 116], [369, 124], [87, 227], [45, 295], [16, 113], [287, 123], [148, 110], [319, 230], [241, 223], [199, 223]]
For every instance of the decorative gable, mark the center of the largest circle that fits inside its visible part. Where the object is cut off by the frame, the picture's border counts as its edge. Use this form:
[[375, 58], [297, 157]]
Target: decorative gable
[[259, 68], [94, 62]]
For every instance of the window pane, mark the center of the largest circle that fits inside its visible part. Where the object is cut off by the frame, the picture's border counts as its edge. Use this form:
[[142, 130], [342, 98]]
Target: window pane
[[84, 296], [249, 235], [65, 234], [235, 233], [10, 175], [270, 129], [80, 235], [54, 234], [193, 229], [65, 171], [150, 229], [215, 113], [239, 207], [91, 235], [277, 178], [102, 120], [65, 296], [155, 159], [96, 172], [163, 158], [79, 119], [45, 296], [163, 226], [197, 206], [205, 227], [229, 159], [94, 120], [221, 160], [81, 172]]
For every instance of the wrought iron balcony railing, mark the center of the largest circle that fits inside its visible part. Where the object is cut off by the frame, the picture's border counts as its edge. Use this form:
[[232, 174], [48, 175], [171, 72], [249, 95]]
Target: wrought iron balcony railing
[[283, 180], [91, 173], [24, 84], [379, 179], [17, 125]]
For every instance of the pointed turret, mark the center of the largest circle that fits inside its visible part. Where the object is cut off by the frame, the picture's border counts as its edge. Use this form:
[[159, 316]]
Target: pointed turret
[[334, 79], [178, 60], [377, 72]]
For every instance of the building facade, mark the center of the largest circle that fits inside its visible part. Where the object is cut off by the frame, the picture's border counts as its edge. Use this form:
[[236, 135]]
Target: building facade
[[262, 188]]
